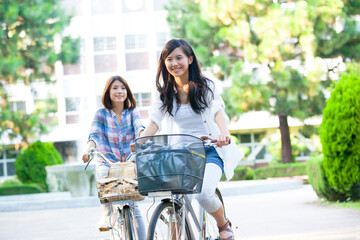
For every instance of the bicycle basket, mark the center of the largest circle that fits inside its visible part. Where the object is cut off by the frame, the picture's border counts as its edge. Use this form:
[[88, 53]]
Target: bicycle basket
[[118, 183], [173, 163]]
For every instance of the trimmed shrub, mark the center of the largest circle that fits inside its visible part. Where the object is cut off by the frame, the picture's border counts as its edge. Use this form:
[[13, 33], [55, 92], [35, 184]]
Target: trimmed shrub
[[241, 173], [27, 188], [11, 182], [31, 162], [340, 136], [283, 170], [318, 181]]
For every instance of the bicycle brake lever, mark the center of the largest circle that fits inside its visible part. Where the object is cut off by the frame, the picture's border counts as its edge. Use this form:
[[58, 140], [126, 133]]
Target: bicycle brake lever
[[91, 156], [87, 164]]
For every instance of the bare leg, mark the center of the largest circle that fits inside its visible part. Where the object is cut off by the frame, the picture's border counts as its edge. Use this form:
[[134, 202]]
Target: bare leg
[[218, 215]]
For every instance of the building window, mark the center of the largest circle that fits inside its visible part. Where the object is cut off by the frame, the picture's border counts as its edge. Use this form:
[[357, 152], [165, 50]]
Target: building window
[[137, 61], [252, 141], [105, 63], [18, 106], [133, 6], [72, 106], [244, 138], [76, 109], [104, 44], [161, 39], [68, 151], [143, 99], [8, 155], [135, 41], [105, 59], [76, 68]]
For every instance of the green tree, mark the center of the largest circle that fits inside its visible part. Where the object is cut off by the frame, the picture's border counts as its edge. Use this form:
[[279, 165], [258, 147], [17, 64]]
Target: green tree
[[340, 136], [31, 42], [268, 49]]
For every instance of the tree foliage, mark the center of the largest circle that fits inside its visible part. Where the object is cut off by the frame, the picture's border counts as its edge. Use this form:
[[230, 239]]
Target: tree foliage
[[28, 50], [271, 50], [340, 135], [31, 42]]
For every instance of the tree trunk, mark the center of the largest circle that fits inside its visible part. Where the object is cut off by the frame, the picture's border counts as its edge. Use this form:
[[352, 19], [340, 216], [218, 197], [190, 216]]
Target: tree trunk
[[286, 151]]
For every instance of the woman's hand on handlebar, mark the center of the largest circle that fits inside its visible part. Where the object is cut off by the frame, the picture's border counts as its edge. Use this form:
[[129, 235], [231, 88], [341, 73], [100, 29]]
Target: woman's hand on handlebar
[[132, 147], [85, 157], [223, 140]]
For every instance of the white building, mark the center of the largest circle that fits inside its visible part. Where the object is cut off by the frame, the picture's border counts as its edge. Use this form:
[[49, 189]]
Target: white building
[[117, 38]]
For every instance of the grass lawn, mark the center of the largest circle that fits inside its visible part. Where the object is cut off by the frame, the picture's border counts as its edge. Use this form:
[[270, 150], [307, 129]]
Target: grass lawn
[[352, 205]]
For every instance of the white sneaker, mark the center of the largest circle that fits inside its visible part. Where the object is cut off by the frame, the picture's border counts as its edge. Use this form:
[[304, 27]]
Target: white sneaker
[[103, 224]]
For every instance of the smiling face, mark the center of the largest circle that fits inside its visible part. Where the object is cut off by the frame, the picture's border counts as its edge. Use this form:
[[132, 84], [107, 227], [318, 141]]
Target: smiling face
[[177, 63], [118, 92]]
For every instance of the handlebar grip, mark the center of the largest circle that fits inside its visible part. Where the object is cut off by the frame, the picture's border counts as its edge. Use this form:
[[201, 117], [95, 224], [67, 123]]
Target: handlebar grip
[[215, 141]]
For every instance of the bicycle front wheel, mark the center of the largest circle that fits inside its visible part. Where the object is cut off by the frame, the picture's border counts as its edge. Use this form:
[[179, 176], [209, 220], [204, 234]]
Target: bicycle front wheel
[[165, 223], [129, 226], [210, 228]]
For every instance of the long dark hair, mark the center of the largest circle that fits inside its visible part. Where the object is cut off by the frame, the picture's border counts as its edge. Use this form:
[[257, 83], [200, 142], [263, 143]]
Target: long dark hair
[[129, 102], [165, 82]]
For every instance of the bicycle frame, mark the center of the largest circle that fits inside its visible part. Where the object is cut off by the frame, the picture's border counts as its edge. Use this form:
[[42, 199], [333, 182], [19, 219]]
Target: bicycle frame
[[198, 222]]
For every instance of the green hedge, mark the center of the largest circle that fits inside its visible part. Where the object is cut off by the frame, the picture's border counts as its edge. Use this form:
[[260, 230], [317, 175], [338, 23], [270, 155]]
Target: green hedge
[[20, 189], [320, 184], [241, 173], [30, 164], [11, 182], [281, 170]]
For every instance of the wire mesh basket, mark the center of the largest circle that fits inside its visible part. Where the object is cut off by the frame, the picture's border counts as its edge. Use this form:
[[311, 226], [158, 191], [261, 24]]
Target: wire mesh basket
[[119, 183], [170, 163]]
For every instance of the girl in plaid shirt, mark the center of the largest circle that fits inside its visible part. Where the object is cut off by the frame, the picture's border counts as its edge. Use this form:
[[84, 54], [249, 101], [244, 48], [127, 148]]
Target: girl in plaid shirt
[[113, 129]]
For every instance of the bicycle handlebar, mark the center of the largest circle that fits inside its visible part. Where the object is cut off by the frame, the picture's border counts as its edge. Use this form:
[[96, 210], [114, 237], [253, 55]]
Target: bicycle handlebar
[[92, 152]]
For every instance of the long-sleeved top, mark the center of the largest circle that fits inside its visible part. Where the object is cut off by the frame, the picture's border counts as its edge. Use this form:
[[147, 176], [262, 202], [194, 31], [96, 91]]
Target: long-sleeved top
[[112, 138], [230, 154]]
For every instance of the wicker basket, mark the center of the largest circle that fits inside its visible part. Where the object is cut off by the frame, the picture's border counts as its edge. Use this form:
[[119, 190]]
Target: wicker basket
[[120, 184]]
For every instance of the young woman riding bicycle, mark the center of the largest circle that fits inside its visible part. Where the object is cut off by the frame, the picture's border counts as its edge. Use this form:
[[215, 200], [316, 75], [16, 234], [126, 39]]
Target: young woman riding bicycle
[[113, 129], [191, 105]]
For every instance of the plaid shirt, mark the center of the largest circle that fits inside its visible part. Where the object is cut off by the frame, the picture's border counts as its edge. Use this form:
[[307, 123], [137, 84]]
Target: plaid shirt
[[110, 137]]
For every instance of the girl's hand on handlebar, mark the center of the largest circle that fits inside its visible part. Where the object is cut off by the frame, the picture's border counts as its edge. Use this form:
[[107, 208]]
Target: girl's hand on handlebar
[[132, 147], [85, 157], [223, 140]]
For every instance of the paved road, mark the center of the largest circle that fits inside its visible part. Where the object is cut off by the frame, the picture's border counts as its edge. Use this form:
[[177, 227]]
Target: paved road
[[259, 210]]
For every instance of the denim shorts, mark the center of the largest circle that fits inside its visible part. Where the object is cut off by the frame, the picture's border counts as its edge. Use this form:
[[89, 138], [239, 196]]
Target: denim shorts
[[213, 157]]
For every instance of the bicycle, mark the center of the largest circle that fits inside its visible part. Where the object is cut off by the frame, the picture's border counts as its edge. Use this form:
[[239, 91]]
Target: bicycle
[[118, 187], [172, 167]]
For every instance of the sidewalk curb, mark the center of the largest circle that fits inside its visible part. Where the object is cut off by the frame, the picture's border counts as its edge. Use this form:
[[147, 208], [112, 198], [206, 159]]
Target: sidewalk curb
[[56, 200]]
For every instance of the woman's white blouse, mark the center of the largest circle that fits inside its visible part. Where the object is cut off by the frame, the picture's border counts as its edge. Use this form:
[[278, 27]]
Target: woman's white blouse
[[230, 154]]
